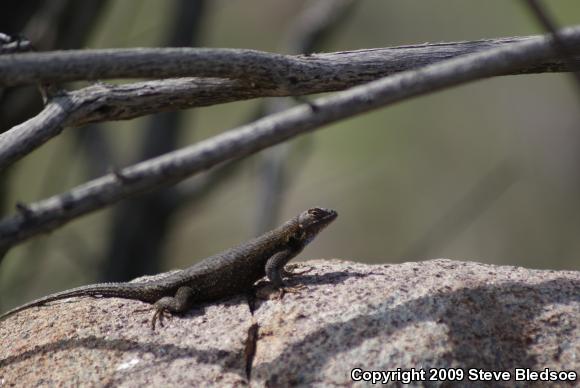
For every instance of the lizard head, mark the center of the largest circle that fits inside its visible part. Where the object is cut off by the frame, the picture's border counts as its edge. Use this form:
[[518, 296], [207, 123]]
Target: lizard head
[[312, 221]]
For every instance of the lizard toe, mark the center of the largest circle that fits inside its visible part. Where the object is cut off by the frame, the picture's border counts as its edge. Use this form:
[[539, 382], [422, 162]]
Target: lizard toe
[[160, 314], [290, 271], [290, 290]]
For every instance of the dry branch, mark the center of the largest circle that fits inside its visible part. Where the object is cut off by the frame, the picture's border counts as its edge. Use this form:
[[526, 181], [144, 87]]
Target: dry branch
[[172, 167], [287, 74], [299, 75]]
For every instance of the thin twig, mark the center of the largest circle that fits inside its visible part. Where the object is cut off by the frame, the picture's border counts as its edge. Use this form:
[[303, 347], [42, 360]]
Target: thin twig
[[316, 23], [541, 14], [464, 211], [175, 166]]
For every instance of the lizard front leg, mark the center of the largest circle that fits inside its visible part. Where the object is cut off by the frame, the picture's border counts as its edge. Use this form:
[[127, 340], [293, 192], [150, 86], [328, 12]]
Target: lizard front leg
[[172, 304], [275, 270]]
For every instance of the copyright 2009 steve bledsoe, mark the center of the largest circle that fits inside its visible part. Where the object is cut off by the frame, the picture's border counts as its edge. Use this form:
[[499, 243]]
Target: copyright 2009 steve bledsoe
[[407, 376]]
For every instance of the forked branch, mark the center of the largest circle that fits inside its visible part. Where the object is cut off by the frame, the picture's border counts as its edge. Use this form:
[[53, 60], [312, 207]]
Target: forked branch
[[172, 167]]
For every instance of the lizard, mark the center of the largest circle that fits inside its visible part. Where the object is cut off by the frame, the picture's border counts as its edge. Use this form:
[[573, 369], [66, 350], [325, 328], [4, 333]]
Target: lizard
[[222, 275]]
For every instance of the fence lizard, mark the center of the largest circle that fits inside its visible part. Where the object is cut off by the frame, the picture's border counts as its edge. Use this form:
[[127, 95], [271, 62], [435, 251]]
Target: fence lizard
[[225, 274]]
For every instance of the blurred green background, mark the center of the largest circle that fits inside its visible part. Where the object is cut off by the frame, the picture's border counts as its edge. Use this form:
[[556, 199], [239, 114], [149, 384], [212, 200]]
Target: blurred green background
[[489, 171]]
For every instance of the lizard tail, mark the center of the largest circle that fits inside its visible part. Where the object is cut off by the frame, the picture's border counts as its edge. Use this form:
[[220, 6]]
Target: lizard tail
[[101, 289]]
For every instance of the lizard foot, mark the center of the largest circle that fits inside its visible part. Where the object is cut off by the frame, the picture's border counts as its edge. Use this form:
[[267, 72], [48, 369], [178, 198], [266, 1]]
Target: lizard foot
[[271, 292], [289, 271], [160, 313], [290, 290]]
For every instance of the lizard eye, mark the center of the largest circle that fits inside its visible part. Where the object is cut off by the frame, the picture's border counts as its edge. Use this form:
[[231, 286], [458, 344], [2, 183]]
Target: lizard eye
[[316, 212]]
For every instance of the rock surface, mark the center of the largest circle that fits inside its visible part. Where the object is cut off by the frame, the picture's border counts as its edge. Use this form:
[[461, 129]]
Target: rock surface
[[434, 314]]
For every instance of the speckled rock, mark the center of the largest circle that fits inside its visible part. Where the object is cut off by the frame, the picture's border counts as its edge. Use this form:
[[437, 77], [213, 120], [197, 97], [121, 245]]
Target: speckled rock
[[430, 316], [109, 342]]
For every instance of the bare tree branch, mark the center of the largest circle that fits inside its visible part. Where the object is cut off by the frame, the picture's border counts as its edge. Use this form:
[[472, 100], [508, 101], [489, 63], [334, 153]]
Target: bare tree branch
[[24, 138], [322, 73], [174, 166], [75, 65], [285, 73]]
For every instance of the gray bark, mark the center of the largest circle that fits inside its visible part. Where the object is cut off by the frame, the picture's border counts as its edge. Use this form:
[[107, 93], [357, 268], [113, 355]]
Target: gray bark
[[175, 166]]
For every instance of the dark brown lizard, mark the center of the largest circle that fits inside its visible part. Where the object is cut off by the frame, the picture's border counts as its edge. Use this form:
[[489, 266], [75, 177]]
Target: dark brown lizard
[[225, 274]]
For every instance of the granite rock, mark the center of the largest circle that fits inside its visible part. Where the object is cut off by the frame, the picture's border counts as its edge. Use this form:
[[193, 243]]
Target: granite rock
[[439, 316]]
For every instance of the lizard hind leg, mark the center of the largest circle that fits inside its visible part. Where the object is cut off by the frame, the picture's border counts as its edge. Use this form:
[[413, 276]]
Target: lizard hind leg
[[167, 305]]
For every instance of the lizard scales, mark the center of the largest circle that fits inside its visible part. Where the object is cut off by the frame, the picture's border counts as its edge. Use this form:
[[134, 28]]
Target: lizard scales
[[224, 274]]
